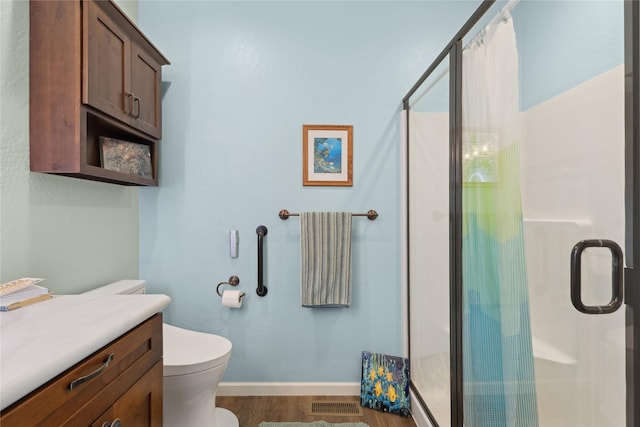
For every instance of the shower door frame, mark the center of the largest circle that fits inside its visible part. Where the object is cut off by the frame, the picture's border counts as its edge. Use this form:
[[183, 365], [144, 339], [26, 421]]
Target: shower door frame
[[632, 208], [453, 51]]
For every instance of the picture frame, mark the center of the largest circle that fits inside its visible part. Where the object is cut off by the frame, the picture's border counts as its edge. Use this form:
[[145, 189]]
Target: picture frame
[[327, 155], [126, 157]]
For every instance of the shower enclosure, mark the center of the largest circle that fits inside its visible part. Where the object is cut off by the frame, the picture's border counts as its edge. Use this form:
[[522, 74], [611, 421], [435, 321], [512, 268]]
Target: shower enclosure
[[523, 219]]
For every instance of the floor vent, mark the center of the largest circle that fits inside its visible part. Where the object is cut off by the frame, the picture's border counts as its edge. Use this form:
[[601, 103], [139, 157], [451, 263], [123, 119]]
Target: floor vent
[[337, 407]]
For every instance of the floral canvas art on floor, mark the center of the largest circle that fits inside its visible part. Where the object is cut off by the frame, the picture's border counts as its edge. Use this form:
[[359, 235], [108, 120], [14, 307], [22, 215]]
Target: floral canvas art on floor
[[385, 383]]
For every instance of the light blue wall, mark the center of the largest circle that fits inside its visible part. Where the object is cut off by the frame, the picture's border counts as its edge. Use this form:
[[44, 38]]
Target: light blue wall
[[564, 43], [244, 78]]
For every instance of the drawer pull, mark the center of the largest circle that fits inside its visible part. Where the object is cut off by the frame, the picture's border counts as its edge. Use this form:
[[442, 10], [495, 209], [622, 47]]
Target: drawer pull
[[75, 383]]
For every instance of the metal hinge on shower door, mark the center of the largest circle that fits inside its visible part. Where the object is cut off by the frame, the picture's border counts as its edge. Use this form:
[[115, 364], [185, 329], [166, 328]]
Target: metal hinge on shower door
[[628, 286]]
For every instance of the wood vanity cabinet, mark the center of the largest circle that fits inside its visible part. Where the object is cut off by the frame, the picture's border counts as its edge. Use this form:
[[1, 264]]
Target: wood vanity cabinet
[[128, 388], [92, 74]]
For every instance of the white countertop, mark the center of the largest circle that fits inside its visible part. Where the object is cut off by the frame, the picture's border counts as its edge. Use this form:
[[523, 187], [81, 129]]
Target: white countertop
[[41, 341]]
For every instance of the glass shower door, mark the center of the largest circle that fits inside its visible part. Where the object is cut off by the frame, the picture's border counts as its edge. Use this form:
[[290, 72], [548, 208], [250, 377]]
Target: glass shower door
[[543, 148], [428, 218]]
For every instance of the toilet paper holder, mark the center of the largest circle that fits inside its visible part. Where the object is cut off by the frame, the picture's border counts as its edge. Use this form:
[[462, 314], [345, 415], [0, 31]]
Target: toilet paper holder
[[233, 281]]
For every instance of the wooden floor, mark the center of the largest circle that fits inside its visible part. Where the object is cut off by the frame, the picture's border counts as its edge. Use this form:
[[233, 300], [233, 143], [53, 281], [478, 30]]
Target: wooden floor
[[252, 410]]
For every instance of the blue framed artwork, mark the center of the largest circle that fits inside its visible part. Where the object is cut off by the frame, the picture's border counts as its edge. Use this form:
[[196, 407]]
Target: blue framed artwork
[[385, 383], [327, 155]]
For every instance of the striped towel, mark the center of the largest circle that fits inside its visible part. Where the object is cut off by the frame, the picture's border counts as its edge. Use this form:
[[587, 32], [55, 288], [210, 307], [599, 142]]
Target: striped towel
[[325, 252]]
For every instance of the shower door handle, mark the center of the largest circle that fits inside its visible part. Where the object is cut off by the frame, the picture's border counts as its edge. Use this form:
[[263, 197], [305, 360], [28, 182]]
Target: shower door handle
[[617, 270]]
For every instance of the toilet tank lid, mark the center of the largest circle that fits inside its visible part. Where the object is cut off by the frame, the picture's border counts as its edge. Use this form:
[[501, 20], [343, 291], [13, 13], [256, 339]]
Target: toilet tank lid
[[120, 287]]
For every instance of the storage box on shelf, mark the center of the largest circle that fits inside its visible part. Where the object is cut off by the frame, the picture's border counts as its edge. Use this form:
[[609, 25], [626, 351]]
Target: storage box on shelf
[[92, 74]]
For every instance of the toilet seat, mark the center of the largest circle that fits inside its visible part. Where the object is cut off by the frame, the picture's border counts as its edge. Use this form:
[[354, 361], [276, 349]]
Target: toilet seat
[[192, 351]]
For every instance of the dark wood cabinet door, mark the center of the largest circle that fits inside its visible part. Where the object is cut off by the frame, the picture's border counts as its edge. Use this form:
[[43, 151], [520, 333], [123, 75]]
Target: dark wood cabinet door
[[140, 405], [145, 85], [107, 76]]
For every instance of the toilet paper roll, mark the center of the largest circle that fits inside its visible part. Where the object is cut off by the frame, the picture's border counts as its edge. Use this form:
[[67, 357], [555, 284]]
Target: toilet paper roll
[[232, 299]]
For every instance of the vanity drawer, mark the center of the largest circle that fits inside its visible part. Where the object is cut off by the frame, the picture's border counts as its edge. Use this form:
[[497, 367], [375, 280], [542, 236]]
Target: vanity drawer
[[83, 392]]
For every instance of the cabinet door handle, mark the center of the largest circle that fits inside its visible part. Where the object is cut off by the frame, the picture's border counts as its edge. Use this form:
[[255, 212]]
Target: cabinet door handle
[[136, 102], [115, 423], [128, 103], [75, 383]]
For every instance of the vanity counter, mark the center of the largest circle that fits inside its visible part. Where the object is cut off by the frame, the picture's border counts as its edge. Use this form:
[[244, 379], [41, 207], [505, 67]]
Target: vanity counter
[[40, 341]]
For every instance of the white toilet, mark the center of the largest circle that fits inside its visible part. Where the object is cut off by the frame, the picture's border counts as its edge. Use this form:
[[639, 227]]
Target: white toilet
[[194, 363]]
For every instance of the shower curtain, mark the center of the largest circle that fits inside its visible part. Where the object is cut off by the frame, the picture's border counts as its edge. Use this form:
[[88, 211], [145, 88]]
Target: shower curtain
[[499, 383]]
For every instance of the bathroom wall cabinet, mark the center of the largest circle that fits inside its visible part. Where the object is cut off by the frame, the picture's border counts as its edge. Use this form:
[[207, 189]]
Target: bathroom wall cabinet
[[93, 74], [127, 388]]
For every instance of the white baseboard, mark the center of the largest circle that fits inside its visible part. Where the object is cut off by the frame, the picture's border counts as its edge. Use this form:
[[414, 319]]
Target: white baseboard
[[288, 389]]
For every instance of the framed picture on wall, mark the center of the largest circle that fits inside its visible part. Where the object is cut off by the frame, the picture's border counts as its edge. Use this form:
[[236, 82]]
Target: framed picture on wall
[[327, 155]]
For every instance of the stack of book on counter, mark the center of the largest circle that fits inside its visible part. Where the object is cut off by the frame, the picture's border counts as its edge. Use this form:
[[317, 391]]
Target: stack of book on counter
[[22, 292]]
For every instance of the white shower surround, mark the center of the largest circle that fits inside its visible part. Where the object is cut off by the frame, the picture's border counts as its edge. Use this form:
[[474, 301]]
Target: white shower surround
[[559, 203]]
